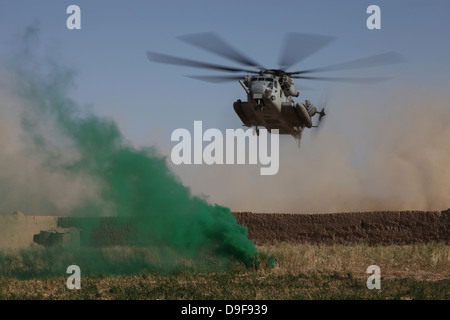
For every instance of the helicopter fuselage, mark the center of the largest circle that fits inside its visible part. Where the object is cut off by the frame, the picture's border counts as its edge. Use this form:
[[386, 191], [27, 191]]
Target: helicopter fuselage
[[269, 104]]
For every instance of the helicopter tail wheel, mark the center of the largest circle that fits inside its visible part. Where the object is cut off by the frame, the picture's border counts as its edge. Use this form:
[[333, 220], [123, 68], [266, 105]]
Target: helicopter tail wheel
[[256, 131], [297, 136]]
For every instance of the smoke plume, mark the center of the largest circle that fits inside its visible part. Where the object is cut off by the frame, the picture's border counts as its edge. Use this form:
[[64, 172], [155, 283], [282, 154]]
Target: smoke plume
[[60, 159]]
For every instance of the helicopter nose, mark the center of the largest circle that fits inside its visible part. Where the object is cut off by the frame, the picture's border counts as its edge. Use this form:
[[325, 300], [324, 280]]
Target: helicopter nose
[[258, 88], [258, 91]]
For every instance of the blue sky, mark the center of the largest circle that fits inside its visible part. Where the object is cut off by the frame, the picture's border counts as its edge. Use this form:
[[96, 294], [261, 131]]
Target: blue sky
[[108, 53], [150, 100]]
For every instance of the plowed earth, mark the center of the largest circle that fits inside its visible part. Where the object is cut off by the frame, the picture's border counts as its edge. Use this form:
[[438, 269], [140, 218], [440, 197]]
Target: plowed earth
[[383, 227]]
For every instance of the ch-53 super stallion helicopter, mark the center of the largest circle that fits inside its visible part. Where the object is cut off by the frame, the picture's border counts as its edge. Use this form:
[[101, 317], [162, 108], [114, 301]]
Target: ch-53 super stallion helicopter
[[269, 91]]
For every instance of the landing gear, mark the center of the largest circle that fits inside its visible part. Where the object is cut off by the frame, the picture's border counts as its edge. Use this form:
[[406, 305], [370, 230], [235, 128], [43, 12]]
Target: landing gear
[[298, 135], [258, 105]]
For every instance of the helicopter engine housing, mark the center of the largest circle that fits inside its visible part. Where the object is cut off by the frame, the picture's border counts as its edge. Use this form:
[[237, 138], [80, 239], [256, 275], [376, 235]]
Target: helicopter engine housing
[[288, 87], [292, 92]]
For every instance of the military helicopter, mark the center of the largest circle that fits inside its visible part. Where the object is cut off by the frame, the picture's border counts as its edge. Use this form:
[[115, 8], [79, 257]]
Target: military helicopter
[[270, 92]]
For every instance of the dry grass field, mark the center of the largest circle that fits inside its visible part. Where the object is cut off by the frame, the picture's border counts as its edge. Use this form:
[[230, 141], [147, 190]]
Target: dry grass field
[[301, 271]]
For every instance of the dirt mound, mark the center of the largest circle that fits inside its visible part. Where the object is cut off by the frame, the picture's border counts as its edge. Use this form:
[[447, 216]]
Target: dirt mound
[[383, 227]]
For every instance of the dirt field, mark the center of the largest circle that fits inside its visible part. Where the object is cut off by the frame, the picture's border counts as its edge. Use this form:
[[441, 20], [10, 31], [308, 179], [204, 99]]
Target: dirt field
[[317, 256], [384, 227]]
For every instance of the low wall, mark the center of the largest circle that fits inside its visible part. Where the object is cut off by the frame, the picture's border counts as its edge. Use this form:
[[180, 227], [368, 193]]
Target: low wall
[[17, 230], [388, 227]]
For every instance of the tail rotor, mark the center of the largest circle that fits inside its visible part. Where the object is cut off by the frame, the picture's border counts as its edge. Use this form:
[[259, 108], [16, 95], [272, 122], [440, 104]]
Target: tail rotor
[[322, 113]]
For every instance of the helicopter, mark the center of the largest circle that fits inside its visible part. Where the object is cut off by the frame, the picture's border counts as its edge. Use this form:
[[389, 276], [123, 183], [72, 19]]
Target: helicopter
[[270, 92]]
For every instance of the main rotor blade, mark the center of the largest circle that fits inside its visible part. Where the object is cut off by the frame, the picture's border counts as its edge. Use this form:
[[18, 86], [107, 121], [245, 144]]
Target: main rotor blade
[[298, 46], [344, 79], [225, 78], [211, 42], [218, 78], [368, 62], [163, 58]]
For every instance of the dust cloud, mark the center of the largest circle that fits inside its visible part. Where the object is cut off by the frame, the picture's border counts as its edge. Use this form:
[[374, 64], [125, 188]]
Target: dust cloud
[[388, 153]]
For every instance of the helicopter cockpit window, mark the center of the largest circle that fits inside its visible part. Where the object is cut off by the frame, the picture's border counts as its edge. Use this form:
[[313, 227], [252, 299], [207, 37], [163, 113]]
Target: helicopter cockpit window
[[264, 79]]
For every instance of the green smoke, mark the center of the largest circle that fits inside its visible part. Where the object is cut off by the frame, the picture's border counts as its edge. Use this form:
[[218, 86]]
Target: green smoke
[[132, 184]]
